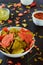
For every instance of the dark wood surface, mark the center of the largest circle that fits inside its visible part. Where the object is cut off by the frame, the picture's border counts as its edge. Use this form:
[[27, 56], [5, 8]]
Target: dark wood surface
[[29, 59]]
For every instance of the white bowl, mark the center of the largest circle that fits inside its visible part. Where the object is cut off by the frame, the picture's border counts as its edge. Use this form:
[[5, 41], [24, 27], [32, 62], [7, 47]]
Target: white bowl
[[37, 21], [16, 55], [26, 2]]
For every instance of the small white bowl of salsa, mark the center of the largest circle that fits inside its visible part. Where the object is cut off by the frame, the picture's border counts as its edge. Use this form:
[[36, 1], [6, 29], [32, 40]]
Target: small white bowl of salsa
[[38, 18]]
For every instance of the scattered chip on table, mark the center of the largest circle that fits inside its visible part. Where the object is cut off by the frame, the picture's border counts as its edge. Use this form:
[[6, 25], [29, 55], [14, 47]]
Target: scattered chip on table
[[28, 7], [17, 25], [24, 20], [12, 14], [24, 24], [20, 8], [20, 14], [9, 5], [1, 61], [40, 36], [37, 49], [35, 60], [40, 58], [17, 11], [17, 22]]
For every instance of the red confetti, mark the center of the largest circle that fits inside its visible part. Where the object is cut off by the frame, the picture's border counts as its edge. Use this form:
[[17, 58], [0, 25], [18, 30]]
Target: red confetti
[[25, 12], [19, 4], [33, 4], [9, 21], [10, 62], [20, 14], [15, 5], [17, 22]]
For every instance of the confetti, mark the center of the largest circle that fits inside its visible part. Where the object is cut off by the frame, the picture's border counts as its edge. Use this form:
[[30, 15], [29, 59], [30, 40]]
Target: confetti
[[10, 62], [25, 12], [20, 8], [24, 24], [33, 4], [28, 7], [12, 14], [15, 5], [37, 49], [17, 18], [24, 20], [40, 58], [17, 22], [40, 36], [35, 60], [20, 14], [1, 61], [17, 11]]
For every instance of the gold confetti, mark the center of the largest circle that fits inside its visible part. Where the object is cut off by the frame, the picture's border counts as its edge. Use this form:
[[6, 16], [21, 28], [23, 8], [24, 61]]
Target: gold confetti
[[12, 14], [40, 36], [17, 11], [28, 7], [24, 20], [9, 5], [40, 58], [20, 8], [37, 49], [17, 25], [24, 24], [35, 60], [0, 61]]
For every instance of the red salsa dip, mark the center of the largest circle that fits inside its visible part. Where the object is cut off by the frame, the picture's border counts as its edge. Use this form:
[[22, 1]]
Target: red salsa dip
[[39, 15]]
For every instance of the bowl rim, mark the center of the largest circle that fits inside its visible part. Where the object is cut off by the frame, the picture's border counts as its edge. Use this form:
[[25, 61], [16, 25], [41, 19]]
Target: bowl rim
[[35, 13], [17, 55]]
